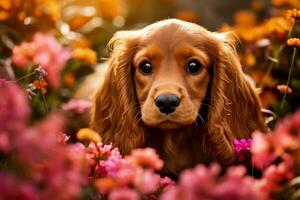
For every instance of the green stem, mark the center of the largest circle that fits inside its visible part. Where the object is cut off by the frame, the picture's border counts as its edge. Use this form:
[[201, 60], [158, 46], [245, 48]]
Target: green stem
[[43, 96], [276, 56], [26, 76], [271, 65], [289, 78]]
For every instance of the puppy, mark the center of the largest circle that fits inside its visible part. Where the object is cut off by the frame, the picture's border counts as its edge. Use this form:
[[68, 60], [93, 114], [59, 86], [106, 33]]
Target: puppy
[[178, 88]]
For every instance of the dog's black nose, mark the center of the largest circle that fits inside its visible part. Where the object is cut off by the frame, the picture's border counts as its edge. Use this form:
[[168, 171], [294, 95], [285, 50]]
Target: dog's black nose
[[167, 103]]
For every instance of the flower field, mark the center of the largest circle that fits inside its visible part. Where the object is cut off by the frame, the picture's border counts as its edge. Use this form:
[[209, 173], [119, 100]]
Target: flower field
[[47, 151]]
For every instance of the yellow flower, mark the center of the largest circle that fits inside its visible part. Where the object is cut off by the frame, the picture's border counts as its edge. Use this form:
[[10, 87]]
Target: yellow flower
[[89, 135], [86, 55], [293, 42]]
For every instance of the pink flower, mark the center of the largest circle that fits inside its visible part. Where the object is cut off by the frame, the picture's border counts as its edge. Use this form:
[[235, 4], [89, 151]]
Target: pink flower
[[46, 168], [287, 132], [275, 177], [205, 183], [263, 153], [166, 182], [14, 109], [284, 88], [146, 181], [62, 138], [145, 157], [236, 185], [12, 188], [114, 172], [77, 106], [112, 164], [104, 160], [267, 148], [24, 53], [123, 194], [43, 50], [242, 147], [196, 183]]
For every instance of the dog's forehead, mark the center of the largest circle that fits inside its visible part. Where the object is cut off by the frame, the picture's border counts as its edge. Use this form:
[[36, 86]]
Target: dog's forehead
[[171, 33]]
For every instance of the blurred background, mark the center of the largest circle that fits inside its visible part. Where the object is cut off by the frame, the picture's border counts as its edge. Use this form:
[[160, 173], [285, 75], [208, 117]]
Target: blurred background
[[82, 28]]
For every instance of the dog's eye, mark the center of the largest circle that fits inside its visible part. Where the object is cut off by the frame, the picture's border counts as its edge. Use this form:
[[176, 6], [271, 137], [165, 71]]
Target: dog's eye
[[145, 67], [194, 67]]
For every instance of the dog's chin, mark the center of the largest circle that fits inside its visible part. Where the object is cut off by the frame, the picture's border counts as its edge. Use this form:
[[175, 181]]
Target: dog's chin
[[169, 124]]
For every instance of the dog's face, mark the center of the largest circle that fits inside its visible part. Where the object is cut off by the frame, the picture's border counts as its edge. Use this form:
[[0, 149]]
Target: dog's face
[[171, 75], [168, 67]]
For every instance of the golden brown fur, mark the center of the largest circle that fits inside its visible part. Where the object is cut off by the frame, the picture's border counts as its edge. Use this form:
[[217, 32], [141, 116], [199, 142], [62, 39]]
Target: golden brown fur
[[216, 106]]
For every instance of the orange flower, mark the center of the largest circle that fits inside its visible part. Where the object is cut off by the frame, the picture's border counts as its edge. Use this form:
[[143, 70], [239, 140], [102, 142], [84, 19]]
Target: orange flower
[[105, 184], [284, 89], [293, 42], [292, 3], [18, 9], [69, 80], [86, 55], [249, 59], [278, 25], [82, 42], [41, 85], [111, 8], [292, 14], [89, 135], [245, 18]]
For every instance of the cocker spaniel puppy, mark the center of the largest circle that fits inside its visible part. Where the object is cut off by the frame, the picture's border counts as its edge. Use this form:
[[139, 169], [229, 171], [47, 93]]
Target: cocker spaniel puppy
[[178, 88]]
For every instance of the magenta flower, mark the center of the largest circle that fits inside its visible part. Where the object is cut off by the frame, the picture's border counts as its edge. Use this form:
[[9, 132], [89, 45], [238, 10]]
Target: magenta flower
[[43, 50], [241, 147], [77, 106]]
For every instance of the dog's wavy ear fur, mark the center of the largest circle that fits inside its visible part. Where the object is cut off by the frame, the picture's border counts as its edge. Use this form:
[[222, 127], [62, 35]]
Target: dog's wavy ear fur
[[235, 109], [114, 110]]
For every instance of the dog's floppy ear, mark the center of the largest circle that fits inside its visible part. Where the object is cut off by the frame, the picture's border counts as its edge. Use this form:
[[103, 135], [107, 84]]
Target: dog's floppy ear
[[114, 106], [235, 108]]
